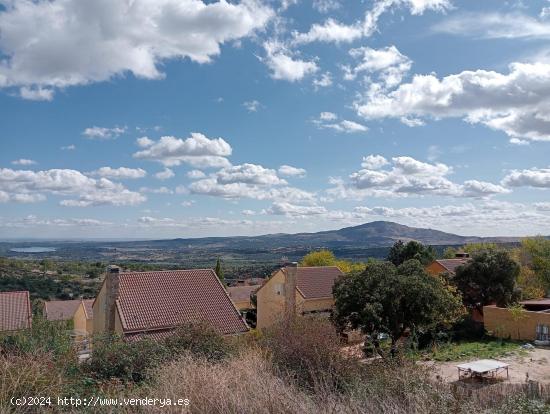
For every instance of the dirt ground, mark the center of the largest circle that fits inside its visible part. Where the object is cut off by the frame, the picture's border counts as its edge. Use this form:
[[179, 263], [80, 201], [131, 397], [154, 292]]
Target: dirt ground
[[536, 364]]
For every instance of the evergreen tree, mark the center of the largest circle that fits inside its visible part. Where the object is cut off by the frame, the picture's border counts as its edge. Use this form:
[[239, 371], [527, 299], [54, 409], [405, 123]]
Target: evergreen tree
[[219, 270]]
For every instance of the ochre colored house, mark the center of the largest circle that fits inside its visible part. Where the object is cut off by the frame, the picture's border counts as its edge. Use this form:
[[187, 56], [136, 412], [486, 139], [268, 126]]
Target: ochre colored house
[[531, 324], [294, 290], [79, 311], [60, 310], [446, 265], [153, 304], [83, 318], [15, 311]]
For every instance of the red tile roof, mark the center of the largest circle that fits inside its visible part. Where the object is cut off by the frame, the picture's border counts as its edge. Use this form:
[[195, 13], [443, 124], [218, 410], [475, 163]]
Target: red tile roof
[[15, 311], [152, 301], [60, 310], [317, 282], [451, 264], [241, 293], [88, 308]]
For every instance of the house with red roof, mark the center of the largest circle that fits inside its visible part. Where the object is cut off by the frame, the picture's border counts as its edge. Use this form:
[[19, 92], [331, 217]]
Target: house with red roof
[[77, 310], [294, 290], [15, 311], [152, 304], [240, 295], [448, 265]]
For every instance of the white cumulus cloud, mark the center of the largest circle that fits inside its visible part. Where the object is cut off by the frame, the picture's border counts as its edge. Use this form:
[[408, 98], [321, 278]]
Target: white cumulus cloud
[[516, 103], [100, 133], [196, 150], [61, 43]]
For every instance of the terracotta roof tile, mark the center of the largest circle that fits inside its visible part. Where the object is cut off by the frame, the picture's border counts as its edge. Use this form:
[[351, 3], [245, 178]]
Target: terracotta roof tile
[[241, 293], [60, 310], [452, 264], [317, 282], [156, 300], [15, 311]]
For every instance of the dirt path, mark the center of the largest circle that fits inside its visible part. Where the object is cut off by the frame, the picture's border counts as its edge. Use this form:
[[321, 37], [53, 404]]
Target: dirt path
[[536, 363]]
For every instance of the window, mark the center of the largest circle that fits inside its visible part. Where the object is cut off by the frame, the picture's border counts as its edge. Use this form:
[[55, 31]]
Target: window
[[543, 333], [279, 288]]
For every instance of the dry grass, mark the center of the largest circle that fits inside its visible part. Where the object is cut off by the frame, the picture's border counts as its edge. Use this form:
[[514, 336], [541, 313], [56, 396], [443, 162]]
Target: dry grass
[[28, 375]]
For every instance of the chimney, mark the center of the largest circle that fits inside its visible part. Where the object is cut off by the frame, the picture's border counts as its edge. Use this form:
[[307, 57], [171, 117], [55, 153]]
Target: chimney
[[291, 271], [111, 286]]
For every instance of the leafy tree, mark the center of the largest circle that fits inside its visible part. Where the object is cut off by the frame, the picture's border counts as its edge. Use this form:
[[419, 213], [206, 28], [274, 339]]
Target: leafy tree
[[476, 248], [94, 273], [325, 257], [531, 285], [490, 277], [449, 253], [537, 251], [401, 252], [219, 270], [321, 257], [385, 299]]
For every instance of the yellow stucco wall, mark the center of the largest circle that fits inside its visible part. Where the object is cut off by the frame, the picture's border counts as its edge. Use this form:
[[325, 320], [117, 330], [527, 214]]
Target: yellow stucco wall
[[243, 305], [499, 322], [80, 322], [435, 269], [118, 324], [313, 305], [271, 304], [99, 311], [98, 321]]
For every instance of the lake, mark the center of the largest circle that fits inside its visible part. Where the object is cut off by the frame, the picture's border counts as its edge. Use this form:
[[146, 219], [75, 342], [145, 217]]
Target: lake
[[34, 249]]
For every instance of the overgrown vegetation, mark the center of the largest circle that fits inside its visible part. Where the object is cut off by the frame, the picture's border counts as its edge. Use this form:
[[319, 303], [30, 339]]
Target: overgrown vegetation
[[483, 349], [297, 367], [390, 300]]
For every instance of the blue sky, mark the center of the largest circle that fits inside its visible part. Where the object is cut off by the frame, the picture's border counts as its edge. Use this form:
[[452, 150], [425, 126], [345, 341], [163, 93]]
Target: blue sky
[[184, 118]]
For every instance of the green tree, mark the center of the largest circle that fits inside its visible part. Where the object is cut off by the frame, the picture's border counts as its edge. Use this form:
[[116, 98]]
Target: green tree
[[401, 252], [449, 253], [325, 257], [537, 252], [385, 299], [321, 257], [476, 248], [219, 270], [490, 277]]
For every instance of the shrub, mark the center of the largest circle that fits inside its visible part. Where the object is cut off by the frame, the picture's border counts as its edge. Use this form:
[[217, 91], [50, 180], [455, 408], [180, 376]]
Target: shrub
[[112, 357], [199, 338], [309, 349], [45, 337]]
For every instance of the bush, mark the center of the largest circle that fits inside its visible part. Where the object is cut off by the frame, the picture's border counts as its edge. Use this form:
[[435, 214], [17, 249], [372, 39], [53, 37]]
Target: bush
[[309, 350], [115, 358], [45, 337], [199, 338], [112, 357]]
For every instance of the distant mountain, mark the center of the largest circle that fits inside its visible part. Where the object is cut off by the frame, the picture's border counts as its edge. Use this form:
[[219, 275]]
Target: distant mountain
[[357, 243], [373, 234]]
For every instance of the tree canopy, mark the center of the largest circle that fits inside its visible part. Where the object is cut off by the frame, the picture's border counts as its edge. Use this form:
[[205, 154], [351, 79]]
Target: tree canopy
[[325, 257], [321, 257], [401, 252], [219, 270], [385, 299], [537, 251], [490, 277]]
